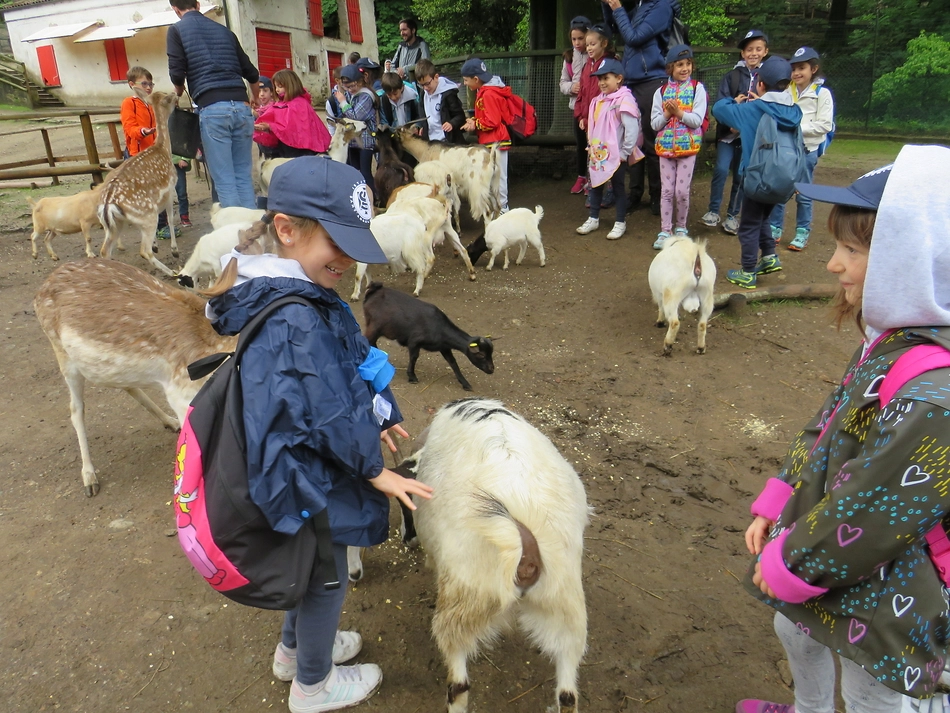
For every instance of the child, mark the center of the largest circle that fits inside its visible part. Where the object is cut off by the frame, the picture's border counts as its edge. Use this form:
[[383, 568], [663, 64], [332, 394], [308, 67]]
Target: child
[[574, 59], [400, 103], [441, 105], [679, 108], [371, 74], [360, 103], [818, 118], [613, 127], [333, 105], [265, 96], [768, 97], [290, 126], [740, 81], [598, 43], [313, 423], [848, 537], [492, 116]]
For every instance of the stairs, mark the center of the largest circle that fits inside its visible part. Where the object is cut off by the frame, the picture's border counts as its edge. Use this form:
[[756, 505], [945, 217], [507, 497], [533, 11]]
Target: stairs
[[45, 99], [13, 76]]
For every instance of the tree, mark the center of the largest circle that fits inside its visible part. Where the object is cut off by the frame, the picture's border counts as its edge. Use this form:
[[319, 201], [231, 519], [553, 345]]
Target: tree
[[464, 26], [388, 15], [707, 22], [917, 89]]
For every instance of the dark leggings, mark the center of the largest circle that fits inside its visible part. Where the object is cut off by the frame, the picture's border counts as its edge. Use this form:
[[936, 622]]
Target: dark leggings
[[597, 194], [363, 160], [580, 138]]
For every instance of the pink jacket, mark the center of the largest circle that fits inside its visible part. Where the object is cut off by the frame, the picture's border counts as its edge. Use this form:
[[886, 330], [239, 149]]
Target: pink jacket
[[295, 124], [607, 144]]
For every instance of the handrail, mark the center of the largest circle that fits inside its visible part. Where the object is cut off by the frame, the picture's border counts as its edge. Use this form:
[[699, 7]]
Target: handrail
[[56, 113]]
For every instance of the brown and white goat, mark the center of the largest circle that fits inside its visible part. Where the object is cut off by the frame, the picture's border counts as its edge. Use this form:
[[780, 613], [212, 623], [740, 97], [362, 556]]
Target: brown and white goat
[[391, 171], [114, 325], [344, 131], [65, 215], [137, 191]]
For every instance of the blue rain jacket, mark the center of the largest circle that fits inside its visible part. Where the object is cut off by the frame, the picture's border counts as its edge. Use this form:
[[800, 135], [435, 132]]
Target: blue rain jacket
[[312, 437], [643, 29], [745, 117]]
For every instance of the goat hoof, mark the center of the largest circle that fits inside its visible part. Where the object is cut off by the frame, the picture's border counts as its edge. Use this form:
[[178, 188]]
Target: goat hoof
[[700, 350], [660, 324], [155, 248], [413, 379], [174, 253], [355, 576], [467, 387], [92, 490], [668, 351]]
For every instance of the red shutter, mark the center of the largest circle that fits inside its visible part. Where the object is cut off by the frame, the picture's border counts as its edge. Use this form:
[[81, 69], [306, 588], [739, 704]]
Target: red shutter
[[48, 69], [316, 17], [334, 60], [118, 61], [355, 21], [273, 51]]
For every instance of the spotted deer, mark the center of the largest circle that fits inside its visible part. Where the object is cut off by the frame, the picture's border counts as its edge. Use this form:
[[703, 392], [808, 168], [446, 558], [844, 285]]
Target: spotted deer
[[115, 325], [136, 191]]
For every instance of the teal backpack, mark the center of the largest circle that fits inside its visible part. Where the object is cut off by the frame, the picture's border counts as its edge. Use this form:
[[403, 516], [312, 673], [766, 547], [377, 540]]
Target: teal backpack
[[776, 164]]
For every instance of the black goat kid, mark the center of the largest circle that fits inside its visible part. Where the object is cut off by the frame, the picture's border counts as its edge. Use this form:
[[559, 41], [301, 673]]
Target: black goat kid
[[391, 172]]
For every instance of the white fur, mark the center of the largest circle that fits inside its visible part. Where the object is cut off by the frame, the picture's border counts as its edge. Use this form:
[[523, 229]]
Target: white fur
[[438, 174], [205, 260], [344, 131], [515, 228], [65, 215], [234, 214]]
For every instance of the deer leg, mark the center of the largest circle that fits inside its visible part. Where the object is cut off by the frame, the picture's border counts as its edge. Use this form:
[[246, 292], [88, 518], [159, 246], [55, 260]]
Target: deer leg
[[145, 250], [108, 241], [170, 423], [170, 212], [354, 563], [76, 383]]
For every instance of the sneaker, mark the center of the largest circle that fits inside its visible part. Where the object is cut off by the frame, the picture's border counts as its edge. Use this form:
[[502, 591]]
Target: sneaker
[[617, 231], [681, 231], [742, 279], [163, 233], [776, 234], [754, 705], [710, 220], [731, 225], [800, 240], [345, 686], [589, 226], [767, 264], [578, 186], [608, 200], [346, 646], [184, 221], [661, 239]]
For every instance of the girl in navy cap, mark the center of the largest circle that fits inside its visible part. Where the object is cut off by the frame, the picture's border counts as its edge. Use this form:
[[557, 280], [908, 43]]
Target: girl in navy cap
[[318, 405], [359, 102], [849, 538]]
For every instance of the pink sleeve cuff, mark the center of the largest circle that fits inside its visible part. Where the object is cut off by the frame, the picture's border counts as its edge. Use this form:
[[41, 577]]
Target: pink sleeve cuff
[[772, 499], [786, 585]]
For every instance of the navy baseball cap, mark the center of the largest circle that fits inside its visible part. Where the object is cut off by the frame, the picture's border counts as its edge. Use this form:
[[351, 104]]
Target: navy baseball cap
[[804, 54], [679, 52], [752, 35], [366, 63], [333, 193], [474, 67], [350, 72], [265, 82], [865, 192], [608, 65], [580, 23], [774, 70], [601, 29]]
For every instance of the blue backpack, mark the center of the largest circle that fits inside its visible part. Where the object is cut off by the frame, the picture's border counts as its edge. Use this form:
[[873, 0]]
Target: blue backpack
[[830, 136], [776, 164]]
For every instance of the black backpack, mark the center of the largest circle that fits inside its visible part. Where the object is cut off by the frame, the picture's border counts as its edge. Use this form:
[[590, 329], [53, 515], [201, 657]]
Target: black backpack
[[224, 534]]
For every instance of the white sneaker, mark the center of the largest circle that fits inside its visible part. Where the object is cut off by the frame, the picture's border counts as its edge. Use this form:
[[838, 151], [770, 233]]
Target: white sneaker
[[731, 225], [617, 231], [345, 686], [710, 219], [346, 646], [589, 226]]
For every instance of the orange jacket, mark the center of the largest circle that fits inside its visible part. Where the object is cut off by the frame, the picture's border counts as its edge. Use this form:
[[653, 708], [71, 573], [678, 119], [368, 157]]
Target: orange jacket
[[137, 115], [492, 114]]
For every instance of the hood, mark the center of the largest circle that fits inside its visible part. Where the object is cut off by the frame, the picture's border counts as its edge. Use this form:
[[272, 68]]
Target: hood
[[261, 280], [409, 94], [781, 107], [444, 85], [906, 281], [495, 82]]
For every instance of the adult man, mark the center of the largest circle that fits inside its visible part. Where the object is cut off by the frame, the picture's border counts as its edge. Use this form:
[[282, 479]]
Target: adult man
[[410, 50], [644, 28], [211, 58]]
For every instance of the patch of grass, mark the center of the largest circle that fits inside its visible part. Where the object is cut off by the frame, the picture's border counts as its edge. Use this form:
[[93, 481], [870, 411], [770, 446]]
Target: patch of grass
[[14, 107], [844, 151]]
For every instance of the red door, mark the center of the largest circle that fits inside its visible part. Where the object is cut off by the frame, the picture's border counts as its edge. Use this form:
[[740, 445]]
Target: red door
[[334, 60], [273, 51], [48, 69]]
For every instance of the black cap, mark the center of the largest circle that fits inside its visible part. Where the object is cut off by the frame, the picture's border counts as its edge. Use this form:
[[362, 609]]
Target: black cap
[[474, 67], [265, 82], [774, 70], [366, 63]]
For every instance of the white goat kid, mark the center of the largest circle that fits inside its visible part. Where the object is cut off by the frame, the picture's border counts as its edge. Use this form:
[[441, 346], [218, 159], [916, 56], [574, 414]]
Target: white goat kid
[[233, 214], [117, 326], [682, 274], [505, 532], [65, 215], [344, 131], [205, 260], [438, 174], [515, 228], [407, 243], [138, 189]]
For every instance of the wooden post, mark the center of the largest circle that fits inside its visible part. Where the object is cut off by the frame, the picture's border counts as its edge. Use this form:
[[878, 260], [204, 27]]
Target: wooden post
[[114, 135], [49, 154], [91, 151]]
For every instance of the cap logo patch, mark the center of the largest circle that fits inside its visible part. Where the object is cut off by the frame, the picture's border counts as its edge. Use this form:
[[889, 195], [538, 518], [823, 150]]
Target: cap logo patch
[[361, 202], [800, 51], [601, 63], [750, 33], [484, 68]]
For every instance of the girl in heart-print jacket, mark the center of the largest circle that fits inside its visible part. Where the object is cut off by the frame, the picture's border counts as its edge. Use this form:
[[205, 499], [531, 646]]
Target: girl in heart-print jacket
[[844, 525]]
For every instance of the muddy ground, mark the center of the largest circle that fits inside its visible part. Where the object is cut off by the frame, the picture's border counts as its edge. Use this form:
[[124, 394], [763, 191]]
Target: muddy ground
[[100, 611]]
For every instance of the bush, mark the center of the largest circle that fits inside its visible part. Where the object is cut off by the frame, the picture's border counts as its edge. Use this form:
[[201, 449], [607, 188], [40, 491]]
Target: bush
[[919, 89]]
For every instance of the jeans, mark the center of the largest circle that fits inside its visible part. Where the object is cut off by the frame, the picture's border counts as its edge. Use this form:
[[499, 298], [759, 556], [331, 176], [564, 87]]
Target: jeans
[[181, 190], [727, 158], [803, 211], [227, 131], [620, 198], [755, 234], [650, 165]]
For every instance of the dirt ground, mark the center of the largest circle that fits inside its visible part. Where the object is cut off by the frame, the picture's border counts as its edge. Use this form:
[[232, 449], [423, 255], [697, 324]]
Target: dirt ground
[[100, 611]]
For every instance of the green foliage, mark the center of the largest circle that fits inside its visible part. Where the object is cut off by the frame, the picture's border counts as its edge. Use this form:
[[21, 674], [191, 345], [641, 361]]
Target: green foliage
[[885, 28], [331, 18], [707, 22], [465, 26], [919, 89], [388, 15]]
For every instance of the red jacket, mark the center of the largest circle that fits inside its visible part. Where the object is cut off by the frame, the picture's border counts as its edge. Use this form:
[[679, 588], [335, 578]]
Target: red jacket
[[492, 114], [589, 88]]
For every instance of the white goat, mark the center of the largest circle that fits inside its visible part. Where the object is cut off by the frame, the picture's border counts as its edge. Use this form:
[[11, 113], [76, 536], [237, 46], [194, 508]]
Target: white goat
[[267, 171], [344, 131], [682, 274], [505, 532], [426, 201], [233, 214], [115, 325], [438, 174], [515, 228], [65, 215], [407, 243], [205, 260]]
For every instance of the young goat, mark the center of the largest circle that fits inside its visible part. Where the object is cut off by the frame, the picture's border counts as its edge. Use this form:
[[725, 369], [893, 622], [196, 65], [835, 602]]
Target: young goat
[[515, 228], [407, 242], [234, 214], [205, 260], [438, 174], [504, 531], [422, 198], [344, 131], [419, 325], [136, 191], [115, 325], [682, 274], [391, 172], [65, 215]]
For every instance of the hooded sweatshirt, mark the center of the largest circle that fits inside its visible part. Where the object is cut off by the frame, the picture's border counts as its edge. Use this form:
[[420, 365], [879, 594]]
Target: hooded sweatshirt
[[745, 117], [570, 73], [312, 437], [293, 123], [404, 110], [864, 481], [444, 105], [492, 113]]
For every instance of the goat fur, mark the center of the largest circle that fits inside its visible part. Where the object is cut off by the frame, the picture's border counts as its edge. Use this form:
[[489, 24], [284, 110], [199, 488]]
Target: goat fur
[[65, 215], [682, 274], [516, 228]]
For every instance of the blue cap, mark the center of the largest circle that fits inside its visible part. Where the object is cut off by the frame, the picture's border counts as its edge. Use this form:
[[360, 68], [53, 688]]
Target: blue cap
[[601, 29], [350, 72], [679, 52], [474, 67], [366, 63], [774, 70], [804, 54], [265, 82], [608, 65], [752, 35], [865, 192], [333, 193], [580, 23]]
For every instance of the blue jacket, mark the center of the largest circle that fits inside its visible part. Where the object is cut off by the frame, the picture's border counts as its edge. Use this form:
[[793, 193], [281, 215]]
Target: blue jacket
[[745, 117], [312, 439], [645, 31]]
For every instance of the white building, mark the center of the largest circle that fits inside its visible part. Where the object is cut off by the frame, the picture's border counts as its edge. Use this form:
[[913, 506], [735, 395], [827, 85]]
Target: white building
[[82, 49]]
